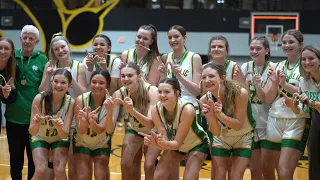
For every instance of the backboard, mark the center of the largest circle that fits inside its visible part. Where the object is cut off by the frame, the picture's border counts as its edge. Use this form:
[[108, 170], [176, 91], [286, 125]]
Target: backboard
[[272, 25]]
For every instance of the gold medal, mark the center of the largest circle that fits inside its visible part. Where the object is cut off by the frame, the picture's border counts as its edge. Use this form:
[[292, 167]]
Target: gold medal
[[224, 131], [23, 81]]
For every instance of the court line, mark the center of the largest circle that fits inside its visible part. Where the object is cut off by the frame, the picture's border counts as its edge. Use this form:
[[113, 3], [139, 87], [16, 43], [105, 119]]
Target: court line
[[113, 173]]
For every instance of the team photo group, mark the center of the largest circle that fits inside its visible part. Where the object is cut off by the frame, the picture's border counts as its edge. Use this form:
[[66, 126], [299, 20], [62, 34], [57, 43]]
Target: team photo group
[[261, 115]]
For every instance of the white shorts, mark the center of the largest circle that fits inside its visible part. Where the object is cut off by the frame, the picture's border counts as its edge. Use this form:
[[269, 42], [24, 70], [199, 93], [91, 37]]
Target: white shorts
[[287, 133], [238, 145]]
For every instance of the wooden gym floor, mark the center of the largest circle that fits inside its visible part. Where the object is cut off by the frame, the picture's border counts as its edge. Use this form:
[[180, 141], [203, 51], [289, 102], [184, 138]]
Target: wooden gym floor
[[301, 172]]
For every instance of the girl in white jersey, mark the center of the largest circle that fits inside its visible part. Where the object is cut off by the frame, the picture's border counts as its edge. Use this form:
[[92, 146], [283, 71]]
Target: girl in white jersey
[[287, 132], [255, 82], [91, 139], [138, 97], [60, 57], [102, 59], [50, 124], [310, 97], [182, 64], [227, 109], [218, 52], [145, 54], [179, 133]]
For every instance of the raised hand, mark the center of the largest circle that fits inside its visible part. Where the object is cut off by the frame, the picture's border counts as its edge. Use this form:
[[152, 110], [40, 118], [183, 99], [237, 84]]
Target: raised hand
[[238, 75], [273, 75], [256, 78], [282, 77], [288, 101], [122, 63], [89, 61], [50, 69], [128, 103], [207, 109], [102, 61], [176, 69], [218, 107], [93, 115], [160, 139], [58, 123], [6, 89], [83, 114], [163, 67], [148, 139]]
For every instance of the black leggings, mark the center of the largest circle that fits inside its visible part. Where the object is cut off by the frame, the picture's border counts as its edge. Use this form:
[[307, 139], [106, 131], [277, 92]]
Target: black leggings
[[18, 140], [314, 147]]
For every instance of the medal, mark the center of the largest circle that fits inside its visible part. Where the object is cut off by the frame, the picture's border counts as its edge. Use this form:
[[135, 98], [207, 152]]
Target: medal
[[224, 131], [23, 81]]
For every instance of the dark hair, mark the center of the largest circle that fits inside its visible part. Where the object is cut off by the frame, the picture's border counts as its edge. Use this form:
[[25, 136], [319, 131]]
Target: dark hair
[[265, 42], [296, 34], [180, 29], [232, 88], [154, 50], [48, 95], [174, 84], [11, 65], [141, 103], [222, 38], [316, 50], [107, 39], [105, 73]]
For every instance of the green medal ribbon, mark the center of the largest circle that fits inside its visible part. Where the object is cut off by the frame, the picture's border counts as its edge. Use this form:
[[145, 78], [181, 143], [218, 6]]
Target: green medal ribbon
[[135, 58], [91, 103], [184, 55], [226, 64], [23, 70], [292, 70], [169, 124], [70, 64], [256, 100]]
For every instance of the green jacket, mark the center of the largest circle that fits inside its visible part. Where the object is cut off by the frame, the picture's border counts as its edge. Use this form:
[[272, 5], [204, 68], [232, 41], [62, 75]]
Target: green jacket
[[31, 70]]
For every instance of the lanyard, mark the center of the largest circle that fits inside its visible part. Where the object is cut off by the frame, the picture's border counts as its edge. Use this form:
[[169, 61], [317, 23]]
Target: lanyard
[[226, 64], [91, 103], [135, 58], [169, 124], [184, 55], [70, 64], [263, 69], [24, 68], [292, 70]]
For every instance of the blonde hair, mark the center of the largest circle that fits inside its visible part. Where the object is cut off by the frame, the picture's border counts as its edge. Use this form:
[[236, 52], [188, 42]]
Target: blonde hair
[[56, 37], [232, 88], [316, 50], [141, 103]]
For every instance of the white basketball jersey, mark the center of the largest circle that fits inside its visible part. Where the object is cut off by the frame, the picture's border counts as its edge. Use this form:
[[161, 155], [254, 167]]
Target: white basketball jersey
[[186, 64], [47, 131], [196, 134], [293, 77], [259, 110]]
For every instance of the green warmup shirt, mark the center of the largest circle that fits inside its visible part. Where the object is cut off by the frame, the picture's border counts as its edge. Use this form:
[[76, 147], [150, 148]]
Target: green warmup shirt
[[31, 70]]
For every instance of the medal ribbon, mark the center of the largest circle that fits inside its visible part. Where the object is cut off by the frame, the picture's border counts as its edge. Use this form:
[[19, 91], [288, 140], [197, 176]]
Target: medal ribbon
[[184, 55], [169, 124]]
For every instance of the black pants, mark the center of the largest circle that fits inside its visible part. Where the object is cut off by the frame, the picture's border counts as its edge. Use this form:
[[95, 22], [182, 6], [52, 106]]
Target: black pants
[[314, 147], [18, 140]]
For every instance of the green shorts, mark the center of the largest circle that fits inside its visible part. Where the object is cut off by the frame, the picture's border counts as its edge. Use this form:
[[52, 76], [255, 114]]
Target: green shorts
[[95, 152], [203, 147], [44, 144], [131, 131]]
